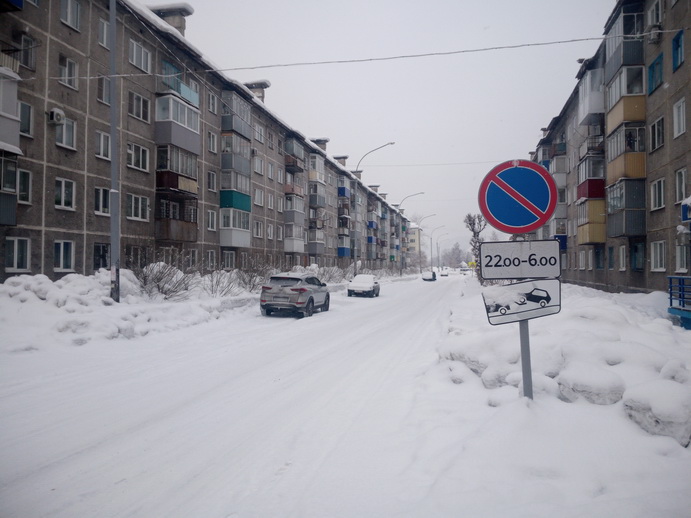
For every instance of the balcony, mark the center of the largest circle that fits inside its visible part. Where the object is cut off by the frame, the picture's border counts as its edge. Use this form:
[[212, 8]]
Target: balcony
[[235, 162], [630, 52], [234, 123], [592, 145], [294, 245], [343, 231], [291, 188], [317, 200], [591, 233], [344, 192], [626, 223], [294, 165], [343, 212], [8, 209], [234, 237], [558, 149], [373, 225], [626, 165], [315, 224], [177, 182], [235, 200], [560, 164], [630, 108], [173, 84], [592, 188], [343, 251], [168, 229]]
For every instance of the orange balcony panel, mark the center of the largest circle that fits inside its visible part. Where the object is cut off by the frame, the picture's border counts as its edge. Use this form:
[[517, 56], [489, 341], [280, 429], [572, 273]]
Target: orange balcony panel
[[627, 165], [630, 108]]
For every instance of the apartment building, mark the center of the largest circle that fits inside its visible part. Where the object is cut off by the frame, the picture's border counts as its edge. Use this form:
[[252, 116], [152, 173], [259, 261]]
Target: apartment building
[[208, 177], [619, 152]]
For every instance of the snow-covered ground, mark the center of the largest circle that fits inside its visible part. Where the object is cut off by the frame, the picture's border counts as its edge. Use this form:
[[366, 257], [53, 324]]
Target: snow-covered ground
[[406, 405]]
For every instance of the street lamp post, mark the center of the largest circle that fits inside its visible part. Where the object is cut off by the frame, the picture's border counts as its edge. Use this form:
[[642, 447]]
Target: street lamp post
[[431, 250], [438, 254], [357, 168], [399, 209], [419, 244]]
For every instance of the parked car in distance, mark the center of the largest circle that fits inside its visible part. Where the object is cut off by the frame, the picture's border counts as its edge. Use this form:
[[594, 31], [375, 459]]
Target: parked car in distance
[[444, 272], [429, 276], [363, 284], [297, 293]]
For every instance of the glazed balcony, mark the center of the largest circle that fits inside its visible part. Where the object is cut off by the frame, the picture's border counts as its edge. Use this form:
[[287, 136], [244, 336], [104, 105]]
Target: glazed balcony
[[626, 223], [592, 188], [291, 188], [169, 229], [8, 209], [294, 165], [626, 165]]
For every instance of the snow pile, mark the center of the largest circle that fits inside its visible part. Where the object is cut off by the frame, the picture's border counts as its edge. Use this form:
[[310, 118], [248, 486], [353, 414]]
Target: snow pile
[[603, 349]]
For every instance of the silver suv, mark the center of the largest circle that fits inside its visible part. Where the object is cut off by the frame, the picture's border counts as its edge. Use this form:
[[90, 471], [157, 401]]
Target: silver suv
[[299, 293]]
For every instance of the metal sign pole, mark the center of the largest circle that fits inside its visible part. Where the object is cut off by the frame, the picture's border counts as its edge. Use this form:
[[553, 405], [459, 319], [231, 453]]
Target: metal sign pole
[[525, 359]]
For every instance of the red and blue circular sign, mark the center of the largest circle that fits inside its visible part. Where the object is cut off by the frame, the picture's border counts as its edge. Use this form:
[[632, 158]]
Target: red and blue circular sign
[[518, 196]]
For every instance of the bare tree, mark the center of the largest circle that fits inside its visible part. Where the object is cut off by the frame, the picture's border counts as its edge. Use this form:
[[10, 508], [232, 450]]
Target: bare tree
[[254, 273], [476, 223]]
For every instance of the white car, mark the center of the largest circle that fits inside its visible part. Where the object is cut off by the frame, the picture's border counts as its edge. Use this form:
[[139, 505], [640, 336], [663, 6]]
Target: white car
[[363, 284]]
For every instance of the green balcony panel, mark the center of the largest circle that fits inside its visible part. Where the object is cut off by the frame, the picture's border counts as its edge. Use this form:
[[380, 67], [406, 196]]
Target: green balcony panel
[[236, 200]]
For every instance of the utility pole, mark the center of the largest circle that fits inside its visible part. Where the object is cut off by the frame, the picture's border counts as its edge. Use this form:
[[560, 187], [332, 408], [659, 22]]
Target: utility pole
[[114, 158]]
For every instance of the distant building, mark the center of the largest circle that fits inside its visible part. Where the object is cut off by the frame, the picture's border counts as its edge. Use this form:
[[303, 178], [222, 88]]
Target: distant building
[[209, 177]]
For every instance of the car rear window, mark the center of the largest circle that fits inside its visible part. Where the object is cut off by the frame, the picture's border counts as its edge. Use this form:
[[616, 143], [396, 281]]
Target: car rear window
[[284, 281]]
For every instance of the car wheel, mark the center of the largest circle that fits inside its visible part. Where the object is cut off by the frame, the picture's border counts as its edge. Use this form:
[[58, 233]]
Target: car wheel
[[377, 294], [309, 308], [327, 301], [543, 303], [502, 311], [266, 312]]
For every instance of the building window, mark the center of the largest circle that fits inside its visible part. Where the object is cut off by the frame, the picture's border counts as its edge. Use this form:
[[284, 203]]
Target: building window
[[137, 207], [228, 259], [211, 220], [581, 260], [678, 50], [279, 206], [103, 33], [638, 256], [610, 258], [258, 229], [258, 165], [269, 231], [657, 256], [103, 145], [280, 177], [679, 117], [69, 13], [657, 134], [259, 133], [27, 56], [270, 201], [138, 106], [679, 185], [270, 171], [138, 157], [64, 193], [24, 182], [101, 255], [140, 57], [681, 258], [213, 103], [211, 259], [211, 181], [213, 142], [102, 201], [65, 134], [69, 71], [259, 197], [628, 138], [628, 81], [279, 232], [622, 258], [655, 74], [657, 194], [17, 253], [26, 119], [655, 14], [63, 256], [103, 89]]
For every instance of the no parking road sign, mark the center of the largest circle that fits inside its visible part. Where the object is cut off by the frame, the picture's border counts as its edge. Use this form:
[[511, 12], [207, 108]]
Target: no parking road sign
[[518, 196]]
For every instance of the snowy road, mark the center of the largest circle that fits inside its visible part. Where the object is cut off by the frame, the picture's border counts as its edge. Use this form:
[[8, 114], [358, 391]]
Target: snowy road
[[245, 416]]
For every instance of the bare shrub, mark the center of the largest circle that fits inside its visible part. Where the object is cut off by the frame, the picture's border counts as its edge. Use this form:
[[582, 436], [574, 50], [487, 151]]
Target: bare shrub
[[165, 280], [253, 275], [221, 283]]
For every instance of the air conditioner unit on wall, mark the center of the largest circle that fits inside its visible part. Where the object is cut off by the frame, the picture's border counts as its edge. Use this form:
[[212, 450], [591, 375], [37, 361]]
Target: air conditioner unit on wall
[[56, 116], [255, 151], [654, 33]]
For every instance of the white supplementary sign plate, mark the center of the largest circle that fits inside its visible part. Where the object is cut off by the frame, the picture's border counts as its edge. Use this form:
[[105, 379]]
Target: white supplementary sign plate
[[520, 259], [522, 300]]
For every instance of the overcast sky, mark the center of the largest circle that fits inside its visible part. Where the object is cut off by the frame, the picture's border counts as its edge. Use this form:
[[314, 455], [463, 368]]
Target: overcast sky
[[453, 117]]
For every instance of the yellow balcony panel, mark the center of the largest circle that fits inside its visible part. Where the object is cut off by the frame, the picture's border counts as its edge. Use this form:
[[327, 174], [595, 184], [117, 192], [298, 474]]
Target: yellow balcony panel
[[591, 233], [627, 165], [630, 108]]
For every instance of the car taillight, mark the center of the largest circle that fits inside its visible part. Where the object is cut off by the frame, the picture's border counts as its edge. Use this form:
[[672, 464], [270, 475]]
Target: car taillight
[[298, 290], [267, 288]]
